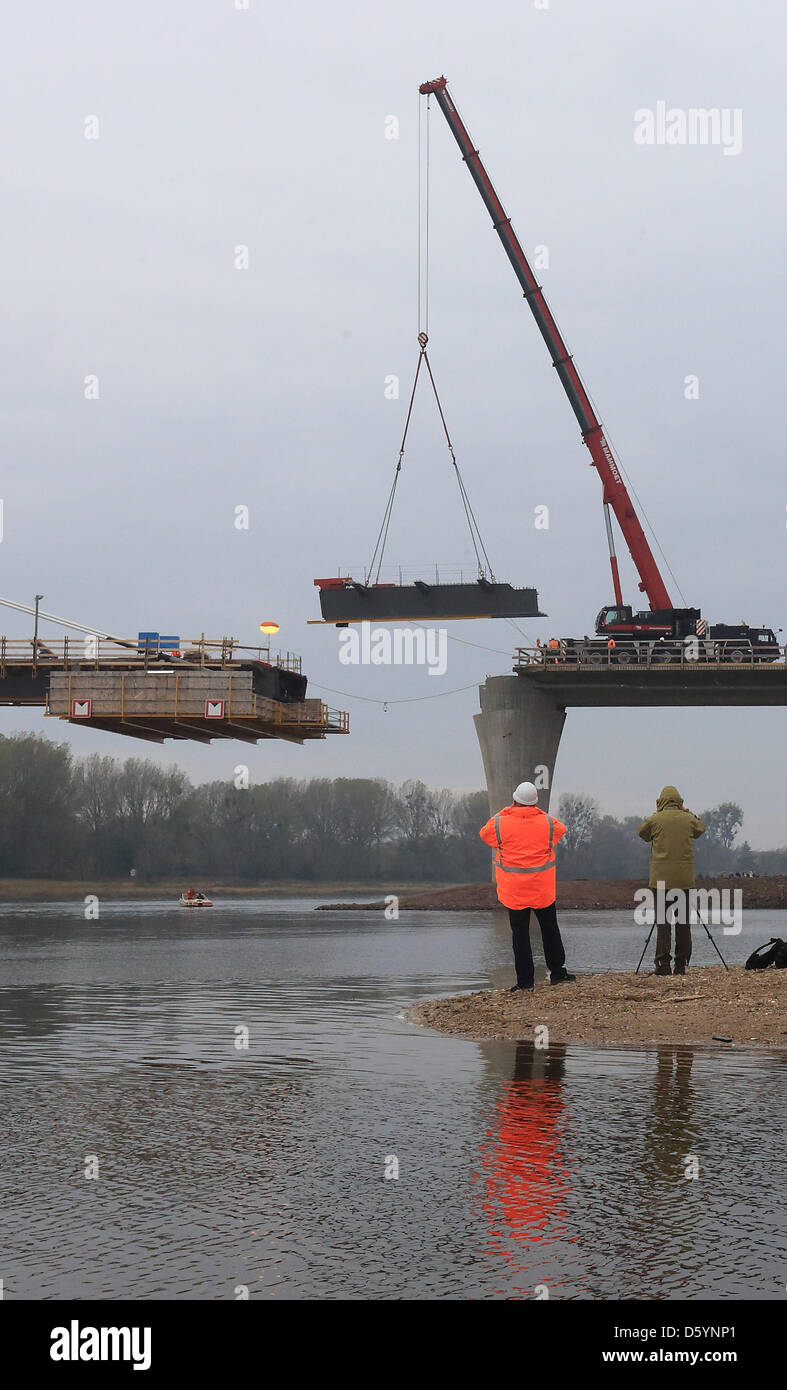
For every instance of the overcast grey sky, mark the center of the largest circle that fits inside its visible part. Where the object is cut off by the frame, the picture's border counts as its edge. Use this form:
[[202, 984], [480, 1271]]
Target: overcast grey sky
[[266, 127]]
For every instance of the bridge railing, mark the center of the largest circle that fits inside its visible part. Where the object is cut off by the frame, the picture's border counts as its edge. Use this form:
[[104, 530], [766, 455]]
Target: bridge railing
[[90, 650], [708, 655]]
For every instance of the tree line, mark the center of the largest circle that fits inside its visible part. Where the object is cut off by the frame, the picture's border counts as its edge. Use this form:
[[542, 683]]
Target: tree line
[[598, 846], [101, 817]]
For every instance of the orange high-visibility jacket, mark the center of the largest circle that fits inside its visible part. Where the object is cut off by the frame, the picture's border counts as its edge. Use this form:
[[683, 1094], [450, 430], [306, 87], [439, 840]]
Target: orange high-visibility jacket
[[524, 837]]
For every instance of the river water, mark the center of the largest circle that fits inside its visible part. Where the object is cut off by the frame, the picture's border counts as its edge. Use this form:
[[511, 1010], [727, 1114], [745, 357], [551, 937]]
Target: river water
[[344, 1153]]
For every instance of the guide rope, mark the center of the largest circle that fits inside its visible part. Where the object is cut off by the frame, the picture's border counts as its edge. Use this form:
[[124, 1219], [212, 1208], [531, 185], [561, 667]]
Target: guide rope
[[408, 700]]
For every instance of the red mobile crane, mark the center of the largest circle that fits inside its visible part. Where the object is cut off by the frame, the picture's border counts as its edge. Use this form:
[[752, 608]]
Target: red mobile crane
[[662, 620]]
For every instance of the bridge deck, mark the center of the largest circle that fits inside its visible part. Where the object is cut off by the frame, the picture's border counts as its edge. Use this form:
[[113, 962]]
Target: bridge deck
[[573, 683], [201, 693]]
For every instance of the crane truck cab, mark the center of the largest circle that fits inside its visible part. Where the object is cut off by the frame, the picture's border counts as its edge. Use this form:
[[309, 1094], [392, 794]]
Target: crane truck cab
[[661, 635], [618, 620]]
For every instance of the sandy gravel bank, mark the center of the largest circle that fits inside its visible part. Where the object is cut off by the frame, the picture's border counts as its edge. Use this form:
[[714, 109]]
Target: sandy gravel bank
[[748, 1007]]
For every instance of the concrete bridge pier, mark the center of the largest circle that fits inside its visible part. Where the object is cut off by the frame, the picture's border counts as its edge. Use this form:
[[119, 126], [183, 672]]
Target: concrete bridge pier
[[519, 730]]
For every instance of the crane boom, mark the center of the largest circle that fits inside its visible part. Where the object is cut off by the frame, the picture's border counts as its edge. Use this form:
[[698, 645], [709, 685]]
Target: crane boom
[[615, 494]]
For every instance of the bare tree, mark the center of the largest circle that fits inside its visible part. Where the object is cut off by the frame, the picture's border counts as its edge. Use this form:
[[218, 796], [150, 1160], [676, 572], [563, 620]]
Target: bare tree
[[415, 811], [97, 797], [443, 802], [579, 814], [723, 823]]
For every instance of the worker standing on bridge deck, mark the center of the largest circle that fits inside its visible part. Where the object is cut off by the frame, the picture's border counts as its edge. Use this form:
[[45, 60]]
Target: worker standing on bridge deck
[[671, 833], [524, 837]]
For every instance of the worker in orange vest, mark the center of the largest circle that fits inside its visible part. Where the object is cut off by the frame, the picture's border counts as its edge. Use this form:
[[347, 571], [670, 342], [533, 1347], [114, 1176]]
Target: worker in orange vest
[[524, 837]]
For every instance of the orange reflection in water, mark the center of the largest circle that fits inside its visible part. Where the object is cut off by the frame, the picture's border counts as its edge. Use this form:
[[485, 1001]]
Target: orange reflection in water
[[523, 1172]]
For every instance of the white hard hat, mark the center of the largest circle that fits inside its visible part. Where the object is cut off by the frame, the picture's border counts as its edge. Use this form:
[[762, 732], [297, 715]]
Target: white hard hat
[[526, 794]]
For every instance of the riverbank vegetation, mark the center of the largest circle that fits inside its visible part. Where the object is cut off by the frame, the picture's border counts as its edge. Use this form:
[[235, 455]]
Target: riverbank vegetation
[[63, 818]]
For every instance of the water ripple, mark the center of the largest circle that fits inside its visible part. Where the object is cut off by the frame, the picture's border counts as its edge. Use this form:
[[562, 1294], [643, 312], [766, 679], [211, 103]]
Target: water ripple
[[342, 1152]]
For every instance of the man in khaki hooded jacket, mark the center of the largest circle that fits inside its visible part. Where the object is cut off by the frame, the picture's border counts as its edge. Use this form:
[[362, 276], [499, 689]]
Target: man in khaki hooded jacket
[[671, 833]]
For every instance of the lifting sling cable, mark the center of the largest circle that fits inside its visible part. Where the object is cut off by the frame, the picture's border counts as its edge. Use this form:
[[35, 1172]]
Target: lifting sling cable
[[383, 532], [484, 565], [482, 557], [469, 513], [423, 221]]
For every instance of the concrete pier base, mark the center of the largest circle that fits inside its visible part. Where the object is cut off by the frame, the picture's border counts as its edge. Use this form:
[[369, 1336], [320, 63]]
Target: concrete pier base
[[519, 730]]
